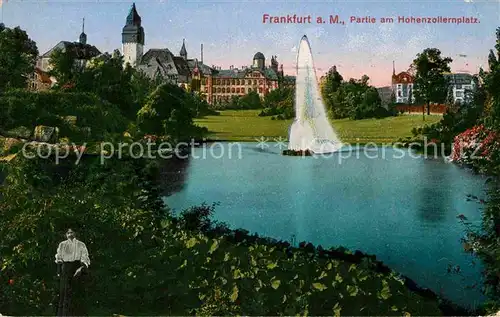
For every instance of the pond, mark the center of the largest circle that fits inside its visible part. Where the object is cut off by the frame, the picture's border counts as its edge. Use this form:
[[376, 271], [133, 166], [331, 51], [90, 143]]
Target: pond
[[389, 202]]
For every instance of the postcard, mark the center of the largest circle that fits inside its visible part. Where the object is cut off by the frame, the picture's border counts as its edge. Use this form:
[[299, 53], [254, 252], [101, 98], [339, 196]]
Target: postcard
[[207, 158]]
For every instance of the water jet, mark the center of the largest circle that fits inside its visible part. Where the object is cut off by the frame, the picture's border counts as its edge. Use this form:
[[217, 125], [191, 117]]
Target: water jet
[[310, 132]]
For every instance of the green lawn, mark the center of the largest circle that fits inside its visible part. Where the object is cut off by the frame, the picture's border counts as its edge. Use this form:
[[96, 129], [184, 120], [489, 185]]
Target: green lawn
[[246, 125]]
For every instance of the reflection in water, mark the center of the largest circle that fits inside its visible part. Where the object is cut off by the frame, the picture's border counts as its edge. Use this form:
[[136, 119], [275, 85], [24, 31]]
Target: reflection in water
[[433, 205], [401, 209], [173, 175]]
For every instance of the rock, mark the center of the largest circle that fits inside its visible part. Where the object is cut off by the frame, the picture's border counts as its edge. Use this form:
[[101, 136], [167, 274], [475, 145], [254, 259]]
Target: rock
[[70, 120], [8, 158], [46, 134], [21, 132], [10, 143]]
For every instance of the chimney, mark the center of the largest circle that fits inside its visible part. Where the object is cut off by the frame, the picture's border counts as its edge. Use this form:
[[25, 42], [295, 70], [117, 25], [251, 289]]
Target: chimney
[[202, 53]]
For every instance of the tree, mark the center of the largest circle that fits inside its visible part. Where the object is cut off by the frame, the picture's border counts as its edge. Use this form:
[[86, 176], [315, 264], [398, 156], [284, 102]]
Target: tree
[[430, 83], [331, 84], [491, 84], [62, 64], [280, 103], [250, 101], [18, 55], [106, 77], [169, 111]]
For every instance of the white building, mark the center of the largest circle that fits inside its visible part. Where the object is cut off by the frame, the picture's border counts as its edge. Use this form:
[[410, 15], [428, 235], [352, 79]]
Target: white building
[[461, 86]]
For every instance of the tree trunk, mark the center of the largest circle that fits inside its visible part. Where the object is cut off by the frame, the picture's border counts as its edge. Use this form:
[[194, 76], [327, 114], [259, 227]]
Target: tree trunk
[[428, 109]]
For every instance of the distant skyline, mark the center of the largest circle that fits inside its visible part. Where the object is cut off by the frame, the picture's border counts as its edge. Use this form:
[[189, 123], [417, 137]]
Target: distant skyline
[[233, 31]]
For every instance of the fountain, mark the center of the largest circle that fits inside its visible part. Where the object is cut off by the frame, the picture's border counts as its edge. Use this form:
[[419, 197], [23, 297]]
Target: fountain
[[310, 132]]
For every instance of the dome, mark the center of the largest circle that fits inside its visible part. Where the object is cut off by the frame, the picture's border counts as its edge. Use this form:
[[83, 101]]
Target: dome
[[258, 55]]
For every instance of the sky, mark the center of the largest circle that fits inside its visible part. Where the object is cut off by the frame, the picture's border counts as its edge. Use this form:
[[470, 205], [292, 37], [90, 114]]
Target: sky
[[232, 31]]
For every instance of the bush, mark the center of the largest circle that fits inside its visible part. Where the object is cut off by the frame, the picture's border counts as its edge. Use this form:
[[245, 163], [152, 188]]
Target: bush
[[48, 108], [170, 265]]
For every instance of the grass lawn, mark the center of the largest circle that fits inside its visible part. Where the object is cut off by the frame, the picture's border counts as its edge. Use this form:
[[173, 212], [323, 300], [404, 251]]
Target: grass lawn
[[246, 125]]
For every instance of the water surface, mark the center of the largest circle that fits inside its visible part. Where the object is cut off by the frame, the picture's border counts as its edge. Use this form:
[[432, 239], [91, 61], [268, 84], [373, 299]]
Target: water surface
[[403, 210]]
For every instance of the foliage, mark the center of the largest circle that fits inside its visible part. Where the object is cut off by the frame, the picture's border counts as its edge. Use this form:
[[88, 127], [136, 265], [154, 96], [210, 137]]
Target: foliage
[[248, 101], [333, 81], [63, 66], [430, 84], [476, 147], [453, 123], [49, 107], [200, 105], [169, 111], [491, 83], [279, 103], [18, 55], [140, 253], [354, 99], [105, 77], [101, 202], [485, 241]]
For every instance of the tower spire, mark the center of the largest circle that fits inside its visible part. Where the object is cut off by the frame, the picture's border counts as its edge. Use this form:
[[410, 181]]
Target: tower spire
[[183, 51], [393, 68], [83, 36]]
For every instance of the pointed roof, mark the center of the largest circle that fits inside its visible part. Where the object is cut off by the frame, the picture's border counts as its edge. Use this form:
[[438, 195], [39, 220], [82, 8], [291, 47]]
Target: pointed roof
[[183, 51], [83, 36], [133, 17]]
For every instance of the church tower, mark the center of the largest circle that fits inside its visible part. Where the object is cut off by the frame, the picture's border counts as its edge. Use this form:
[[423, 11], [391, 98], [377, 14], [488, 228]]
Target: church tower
[[133, 38], [83, 36]]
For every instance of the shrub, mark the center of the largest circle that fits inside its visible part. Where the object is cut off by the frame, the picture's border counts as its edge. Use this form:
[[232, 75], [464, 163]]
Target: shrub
[[48, 108], [476, 147]]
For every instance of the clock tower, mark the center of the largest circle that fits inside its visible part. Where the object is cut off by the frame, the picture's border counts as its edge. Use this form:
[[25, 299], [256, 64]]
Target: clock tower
[[133, 38]]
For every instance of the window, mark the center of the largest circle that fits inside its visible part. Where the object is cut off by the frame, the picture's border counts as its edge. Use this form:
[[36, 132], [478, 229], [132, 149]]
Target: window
[[261, 82], [249, 82], [218, 90], [459, 94], [459, 87], [223, 90], [232, 90], [237, 90], [260, 90], [255, 81], [217, 82], [237, 81], [249, 90], [399, 93]]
